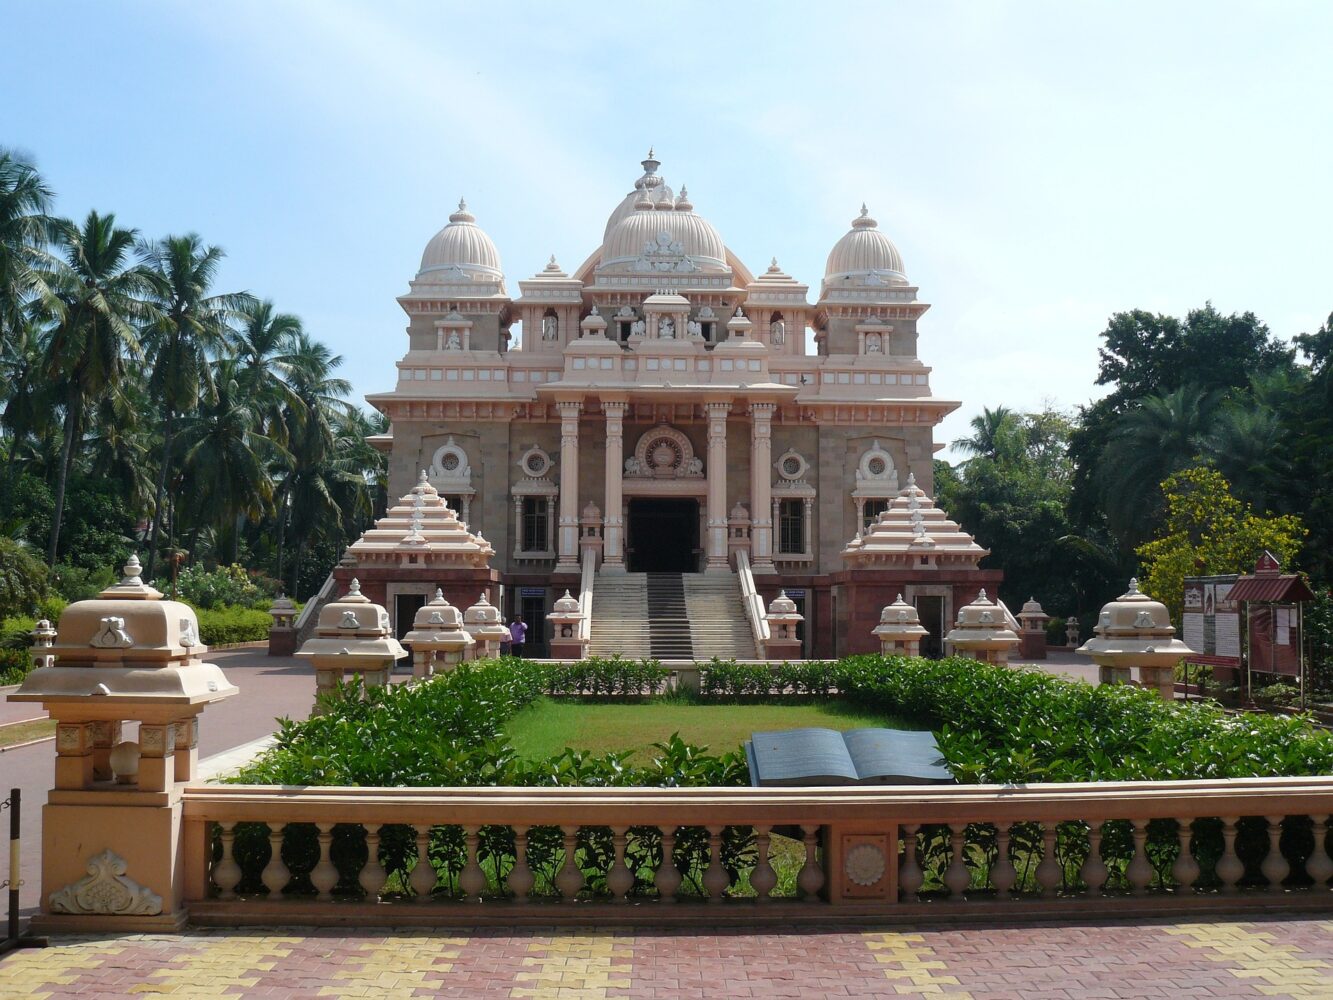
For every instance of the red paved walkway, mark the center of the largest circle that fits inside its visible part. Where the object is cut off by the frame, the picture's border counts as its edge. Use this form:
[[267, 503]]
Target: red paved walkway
[[1279, 958]]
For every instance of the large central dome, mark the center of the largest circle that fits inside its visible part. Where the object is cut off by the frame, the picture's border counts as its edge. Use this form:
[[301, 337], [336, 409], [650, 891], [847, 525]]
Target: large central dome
[[660, 234]]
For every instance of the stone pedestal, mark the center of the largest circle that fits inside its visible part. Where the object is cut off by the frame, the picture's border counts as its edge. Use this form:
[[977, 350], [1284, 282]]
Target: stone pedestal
[[352, 638], [980, 632], [282, 633], [1032, 631], [482, 621], [782, 618], [438, 640], [566, 618], [899, 630], [111, 857], [1136, 631]]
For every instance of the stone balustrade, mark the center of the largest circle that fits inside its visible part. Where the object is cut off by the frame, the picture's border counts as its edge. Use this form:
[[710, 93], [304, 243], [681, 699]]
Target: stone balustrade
[[412, 856]]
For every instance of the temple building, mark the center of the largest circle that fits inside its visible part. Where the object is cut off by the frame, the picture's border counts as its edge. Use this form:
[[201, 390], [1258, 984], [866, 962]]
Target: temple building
[[656, 413]]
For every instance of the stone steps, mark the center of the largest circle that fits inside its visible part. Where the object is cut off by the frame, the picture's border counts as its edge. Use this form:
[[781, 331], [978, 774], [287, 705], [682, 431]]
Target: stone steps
[[670, 616]]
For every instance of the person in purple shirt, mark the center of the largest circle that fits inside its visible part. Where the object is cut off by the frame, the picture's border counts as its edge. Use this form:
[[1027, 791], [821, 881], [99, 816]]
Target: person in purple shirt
[[518, 634]]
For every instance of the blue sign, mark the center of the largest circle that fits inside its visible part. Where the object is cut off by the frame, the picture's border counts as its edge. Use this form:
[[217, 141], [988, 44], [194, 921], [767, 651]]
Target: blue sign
[[532, 591], [795, 592]]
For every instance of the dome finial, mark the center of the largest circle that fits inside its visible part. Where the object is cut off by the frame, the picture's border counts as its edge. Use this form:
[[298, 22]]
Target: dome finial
[[462, 215], [462, 206], [650, 152]]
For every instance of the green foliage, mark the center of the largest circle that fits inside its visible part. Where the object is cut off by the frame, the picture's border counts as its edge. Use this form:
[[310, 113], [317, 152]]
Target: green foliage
[[224, 624], [74, 583], [1319, 631], [226, 585], [1209, 531], [602, 677], [15, 664], [23, 579]]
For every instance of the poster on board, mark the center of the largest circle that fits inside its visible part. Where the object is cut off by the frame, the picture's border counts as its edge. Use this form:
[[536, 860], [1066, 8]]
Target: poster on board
[[1211, 621]]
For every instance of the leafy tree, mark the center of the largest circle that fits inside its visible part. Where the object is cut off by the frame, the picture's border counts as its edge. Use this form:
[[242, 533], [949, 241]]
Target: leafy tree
[[1209, 531], [26, 229], [23, 579]]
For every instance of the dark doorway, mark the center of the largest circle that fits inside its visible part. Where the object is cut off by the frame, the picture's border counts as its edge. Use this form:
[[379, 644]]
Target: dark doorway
[[663, 535], [931, 612], [405, 608]]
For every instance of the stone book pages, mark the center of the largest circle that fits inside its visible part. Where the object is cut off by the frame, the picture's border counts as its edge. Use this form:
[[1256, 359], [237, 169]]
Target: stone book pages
[[857, 757]]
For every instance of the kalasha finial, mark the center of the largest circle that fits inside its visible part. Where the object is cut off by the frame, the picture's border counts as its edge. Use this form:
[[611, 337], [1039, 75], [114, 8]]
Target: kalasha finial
[[462, 206], [439, 594], [911, 479], [132, 569], [650, 152], [981, 595], [1133, 585], [423, 479], [355, 588], [594, 312], [864, 211]]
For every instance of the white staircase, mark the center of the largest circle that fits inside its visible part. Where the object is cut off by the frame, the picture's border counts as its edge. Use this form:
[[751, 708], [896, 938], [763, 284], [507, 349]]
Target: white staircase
[[718, 626], [620, 616], [711, 623]]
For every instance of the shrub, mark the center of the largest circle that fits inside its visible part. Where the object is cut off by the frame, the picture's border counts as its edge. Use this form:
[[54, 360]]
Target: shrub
[[727, 678], [221, 625], [603, 677], [226, 585], [23, 578], [75, 583], [15, 665], [16, 632]]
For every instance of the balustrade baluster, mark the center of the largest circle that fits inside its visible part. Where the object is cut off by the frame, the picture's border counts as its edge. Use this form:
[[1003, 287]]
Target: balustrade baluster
[[276, 874], [763, 879], [373, 874], [957, 877], [910, 875], [1139, 871], [227, 873], [1274, 866], [1003, 875], [521, 880], [1185, 869], [716, 878], [1093, 870], [1049, 873], [325, 876], [1320, 865], [619, 880], [810, 879], [423, 877], [668, 877], [570, 880], [472, 880], [1229, 867]]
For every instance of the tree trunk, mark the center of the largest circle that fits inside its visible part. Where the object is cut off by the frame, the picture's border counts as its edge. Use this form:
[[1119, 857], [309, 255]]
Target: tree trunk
[[168, 433], [62, 476], [296, 568], [282, 529]]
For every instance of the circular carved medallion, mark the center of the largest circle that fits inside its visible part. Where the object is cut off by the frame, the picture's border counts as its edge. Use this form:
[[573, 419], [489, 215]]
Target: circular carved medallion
[[864, 864]]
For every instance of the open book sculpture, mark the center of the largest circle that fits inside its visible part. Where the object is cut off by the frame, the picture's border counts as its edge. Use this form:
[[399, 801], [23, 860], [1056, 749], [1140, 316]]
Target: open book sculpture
[[856, 757]]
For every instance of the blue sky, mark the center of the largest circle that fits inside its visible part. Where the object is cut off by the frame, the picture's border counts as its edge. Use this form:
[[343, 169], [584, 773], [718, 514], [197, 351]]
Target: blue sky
[[1039, 165]]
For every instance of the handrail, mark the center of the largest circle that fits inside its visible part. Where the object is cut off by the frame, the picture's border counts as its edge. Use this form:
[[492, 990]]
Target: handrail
[[313, 605], [585, 593], [754, 604], [1009, 618]]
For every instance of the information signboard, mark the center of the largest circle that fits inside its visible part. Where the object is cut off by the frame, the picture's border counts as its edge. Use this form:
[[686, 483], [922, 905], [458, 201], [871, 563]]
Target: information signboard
[[1211, 621]]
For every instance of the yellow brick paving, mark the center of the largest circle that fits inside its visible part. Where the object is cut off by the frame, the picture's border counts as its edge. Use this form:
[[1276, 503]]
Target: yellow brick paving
[[23, 972], [211, 963], [394, 968], [1276, 970], [577, 965], [916, 962]]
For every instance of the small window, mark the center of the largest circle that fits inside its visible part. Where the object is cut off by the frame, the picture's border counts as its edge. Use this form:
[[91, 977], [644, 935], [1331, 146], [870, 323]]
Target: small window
[[873, 509], [791, 527], [535, 538]]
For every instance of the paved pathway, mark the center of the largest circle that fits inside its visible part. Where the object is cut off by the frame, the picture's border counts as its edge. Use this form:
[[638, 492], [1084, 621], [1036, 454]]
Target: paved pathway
[[1279, 958]]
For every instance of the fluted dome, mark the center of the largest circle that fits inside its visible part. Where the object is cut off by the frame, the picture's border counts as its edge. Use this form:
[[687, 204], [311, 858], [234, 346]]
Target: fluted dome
[[650, 184], [865, 256], [661, 228], [462, 247]]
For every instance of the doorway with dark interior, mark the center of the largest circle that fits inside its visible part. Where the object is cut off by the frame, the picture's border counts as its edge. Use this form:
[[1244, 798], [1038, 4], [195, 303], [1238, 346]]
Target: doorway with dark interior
[[930, 609], [663, 535]]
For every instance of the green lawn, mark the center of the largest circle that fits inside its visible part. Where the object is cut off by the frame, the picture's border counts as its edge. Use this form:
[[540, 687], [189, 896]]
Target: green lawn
[[548, 725]]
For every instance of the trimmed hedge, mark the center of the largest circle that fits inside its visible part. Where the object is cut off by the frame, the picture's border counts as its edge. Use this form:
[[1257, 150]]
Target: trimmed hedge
[[230, 624]]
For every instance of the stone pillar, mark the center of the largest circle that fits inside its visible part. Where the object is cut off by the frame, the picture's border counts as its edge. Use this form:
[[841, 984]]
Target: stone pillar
[[568, 561], [613, 515], [717, 485], [761, 485]]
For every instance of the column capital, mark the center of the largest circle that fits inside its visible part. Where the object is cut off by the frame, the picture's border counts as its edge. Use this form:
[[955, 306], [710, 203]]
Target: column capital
[[762, 411], [614, 407], [569, 407], [717, 408]]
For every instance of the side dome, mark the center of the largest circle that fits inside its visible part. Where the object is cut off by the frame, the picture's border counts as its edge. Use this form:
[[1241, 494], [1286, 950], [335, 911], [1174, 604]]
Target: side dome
[[865, 253], [661, 228], [462, 246]]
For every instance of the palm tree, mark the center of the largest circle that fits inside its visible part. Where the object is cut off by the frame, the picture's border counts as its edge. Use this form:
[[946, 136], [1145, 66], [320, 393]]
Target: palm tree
[[100, 288], [1247, 444], [1159, 436], [266, 346], [226, 457], [26, 229], [993, 434], [190, 328]]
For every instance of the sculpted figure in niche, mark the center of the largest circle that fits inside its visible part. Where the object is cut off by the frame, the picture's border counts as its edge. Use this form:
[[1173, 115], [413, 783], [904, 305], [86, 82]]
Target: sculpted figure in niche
[[694, 467], [455, 343], [777, 332], [549, 328], [873, 344], [632, 466], [667, 329], [694, 328], [637, 328]]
